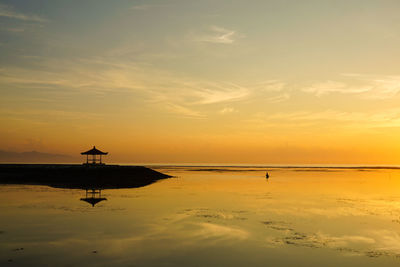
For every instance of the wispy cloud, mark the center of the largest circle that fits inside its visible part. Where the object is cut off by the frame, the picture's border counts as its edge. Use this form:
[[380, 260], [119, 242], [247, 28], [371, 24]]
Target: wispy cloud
[[323, 88], [217, 35], [9, 12], [367, 86], [227, 110], [271, 91], [210, 93], [16, 30], [278, 98], [174, 93], [385, 87], [181, 110], [269, 86], [384, 118], [143, 7]]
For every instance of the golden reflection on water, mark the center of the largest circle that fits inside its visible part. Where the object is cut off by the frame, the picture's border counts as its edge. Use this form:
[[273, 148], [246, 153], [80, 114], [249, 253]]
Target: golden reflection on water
[[231, 216]]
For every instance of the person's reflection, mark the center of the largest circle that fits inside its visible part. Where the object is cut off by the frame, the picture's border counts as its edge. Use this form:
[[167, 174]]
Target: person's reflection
[[93, 196]]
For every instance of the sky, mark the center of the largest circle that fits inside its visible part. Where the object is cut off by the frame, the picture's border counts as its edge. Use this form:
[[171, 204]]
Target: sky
[[206, 81]]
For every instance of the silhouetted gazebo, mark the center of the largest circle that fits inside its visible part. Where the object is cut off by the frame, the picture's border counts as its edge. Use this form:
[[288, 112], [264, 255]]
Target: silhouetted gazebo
[[93, 152]]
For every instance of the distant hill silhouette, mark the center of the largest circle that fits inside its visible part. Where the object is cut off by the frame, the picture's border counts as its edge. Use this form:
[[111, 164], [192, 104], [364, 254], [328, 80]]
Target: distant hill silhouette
[[34, 157]]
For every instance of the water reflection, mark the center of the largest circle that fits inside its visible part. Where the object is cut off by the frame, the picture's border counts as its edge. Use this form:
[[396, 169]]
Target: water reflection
[[93, 196], [228, 217]]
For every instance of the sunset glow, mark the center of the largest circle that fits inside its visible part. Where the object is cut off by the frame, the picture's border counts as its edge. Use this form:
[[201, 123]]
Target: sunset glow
[[260, 82]]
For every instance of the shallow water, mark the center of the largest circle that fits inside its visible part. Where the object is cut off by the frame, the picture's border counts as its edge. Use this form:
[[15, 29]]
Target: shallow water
[[210, 217]]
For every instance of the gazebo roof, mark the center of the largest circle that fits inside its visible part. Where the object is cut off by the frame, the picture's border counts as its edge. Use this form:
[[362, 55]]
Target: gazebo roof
[[94, 151]]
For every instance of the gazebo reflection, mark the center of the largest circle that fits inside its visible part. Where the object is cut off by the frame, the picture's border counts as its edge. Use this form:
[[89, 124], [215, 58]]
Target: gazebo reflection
[[93, 196]]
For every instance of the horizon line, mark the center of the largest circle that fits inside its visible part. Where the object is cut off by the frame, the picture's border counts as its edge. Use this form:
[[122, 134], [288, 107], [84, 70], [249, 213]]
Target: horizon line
[[230, 165]]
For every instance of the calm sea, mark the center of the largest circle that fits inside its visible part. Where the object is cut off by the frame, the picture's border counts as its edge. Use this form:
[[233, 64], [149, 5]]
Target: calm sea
[[210, 216]]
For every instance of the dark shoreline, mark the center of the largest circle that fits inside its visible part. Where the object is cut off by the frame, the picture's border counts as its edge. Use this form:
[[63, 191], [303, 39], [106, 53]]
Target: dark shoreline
[[76, 176]]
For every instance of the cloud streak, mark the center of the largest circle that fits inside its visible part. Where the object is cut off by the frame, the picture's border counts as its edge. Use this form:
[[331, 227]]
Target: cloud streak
[[211, 93], [383, 118], [226, 110], [181, 110], [174, 93], [366, 86], [324, 88], [143, 7], [9, 12], [218, 35]]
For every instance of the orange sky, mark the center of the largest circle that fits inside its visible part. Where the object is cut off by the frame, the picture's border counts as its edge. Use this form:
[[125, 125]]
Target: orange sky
[[315, 82]]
